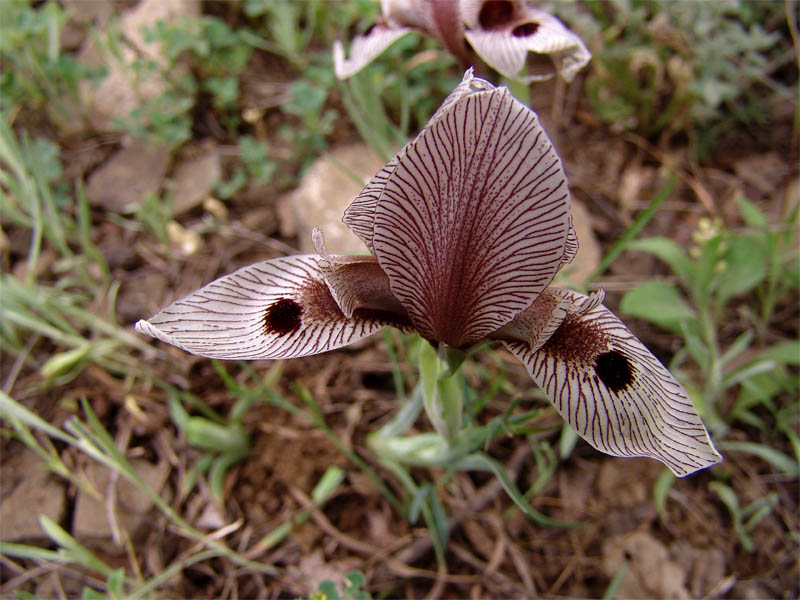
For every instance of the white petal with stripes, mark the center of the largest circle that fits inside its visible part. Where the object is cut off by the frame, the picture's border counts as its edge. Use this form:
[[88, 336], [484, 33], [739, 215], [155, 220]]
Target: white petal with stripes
[[279, 308], [615, 393]]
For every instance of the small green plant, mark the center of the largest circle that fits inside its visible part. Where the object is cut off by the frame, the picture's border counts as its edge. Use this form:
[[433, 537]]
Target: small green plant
[[747, 517], [355, 581], [257, 167], [36, 73], [723, 264], [200, 55], [56, 310], [224, 441], [664, 67], [94, 440], [758, 263]]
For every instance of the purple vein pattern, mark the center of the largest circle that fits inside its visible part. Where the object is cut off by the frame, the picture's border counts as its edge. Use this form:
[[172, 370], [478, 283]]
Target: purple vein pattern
[[472, 223], [360, 215], [229, 317], [643, 412]]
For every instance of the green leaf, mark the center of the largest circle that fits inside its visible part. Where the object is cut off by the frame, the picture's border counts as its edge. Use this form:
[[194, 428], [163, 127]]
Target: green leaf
[[328, 484], [658, 302], [668, 251], [737, 347], [748, 371], [786, 353], [751, 214], [482, 462], [636, 227], [115, 582], [208, 435], [616, 581], [661, 490], [776, 459], [746, 261], [566, 441]]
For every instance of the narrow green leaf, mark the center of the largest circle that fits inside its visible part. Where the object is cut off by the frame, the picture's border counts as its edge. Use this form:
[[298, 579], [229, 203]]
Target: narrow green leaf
[[566, 441], [737, 347], [481, 462], [786, 353], [208, 435], [775, 458], [616, 581], [748, 371], [751, 214], [661, 490], [636, 227], [328, 484]]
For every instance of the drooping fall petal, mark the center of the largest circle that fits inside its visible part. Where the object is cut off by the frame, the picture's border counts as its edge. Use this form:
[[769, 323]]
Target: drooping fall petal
[[615, 393], [472, 223], [280, 308], [365, 48], [502, 32]]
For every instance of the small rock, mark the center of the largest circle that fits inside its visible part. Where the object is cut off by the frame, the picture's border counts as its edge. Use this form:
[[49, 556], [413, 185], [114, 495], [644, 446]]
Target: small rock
[[651, 574], [194, 180], [29, 491], [90, 521], [216, 208], [705, 567], [186, 241], [123, 89], [123, 182], [326, 190]]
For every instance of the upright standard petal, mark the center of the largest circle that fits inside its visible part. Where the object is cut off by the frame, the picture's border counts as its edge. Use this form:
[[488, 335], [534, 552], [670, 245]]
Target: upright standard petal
[[365, 48], [614, 392], [472, 222], [360, 215], [504, 35], [280, 308]]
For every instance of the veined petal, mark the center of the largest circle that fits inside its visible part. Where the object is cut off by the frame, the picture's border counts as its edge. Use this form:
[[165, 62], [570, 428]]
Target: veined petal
[[572, 245], [537, 323], [615, 393], [505, 46], [356, 282], [365, 48], [279, 308], [360, 215], [472, 223]]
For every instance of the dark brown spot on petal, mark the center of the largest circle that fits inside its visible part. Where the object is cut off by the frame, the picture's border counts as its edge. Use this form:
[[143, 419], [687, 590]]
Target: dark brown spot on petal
[[614, 370], [282, 317], [577, 341], [525, 29], [495, 13]]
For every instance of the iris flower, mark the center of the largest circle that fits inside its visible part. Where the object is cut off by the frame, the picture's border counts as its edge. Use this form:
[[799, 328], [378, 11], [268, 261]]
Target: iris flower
[[501, 32], [467, 226]]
